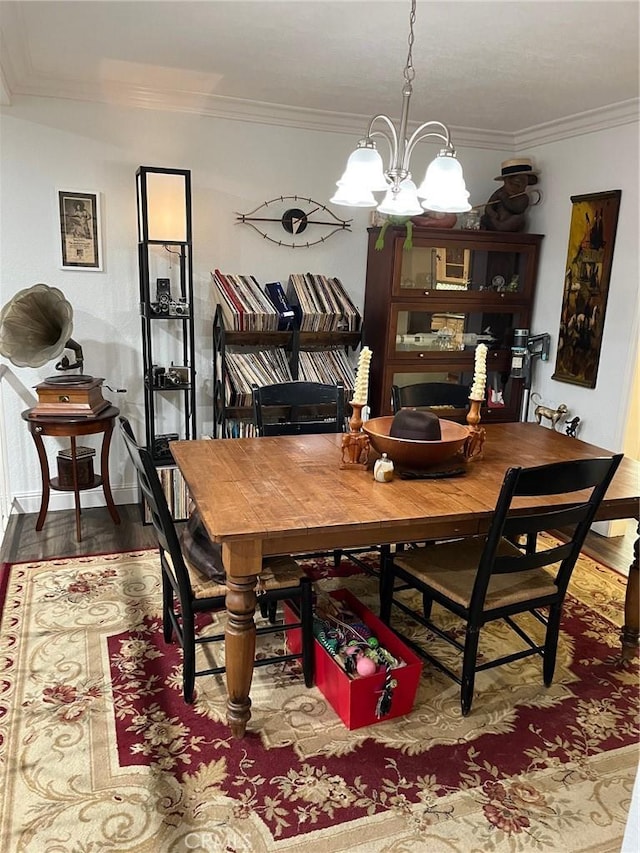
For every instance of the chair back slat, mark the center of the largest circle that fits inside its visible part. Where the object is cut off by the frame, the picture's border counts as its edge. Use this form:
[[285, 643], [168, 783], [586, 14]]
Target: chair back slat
[[299, 407], [575, 519], [562, 477], [536, 560], [551, 520]]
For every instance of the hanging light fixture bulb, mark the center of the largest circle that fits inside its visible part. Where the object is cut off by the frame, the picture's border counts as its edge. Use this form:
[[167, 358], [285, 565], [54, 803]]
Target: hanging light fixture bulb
[[443, 188]]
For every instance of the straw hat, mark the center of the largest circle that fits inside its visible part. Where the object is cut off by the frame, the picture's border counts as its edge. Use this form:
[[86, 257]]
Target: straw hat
[[521, 166]]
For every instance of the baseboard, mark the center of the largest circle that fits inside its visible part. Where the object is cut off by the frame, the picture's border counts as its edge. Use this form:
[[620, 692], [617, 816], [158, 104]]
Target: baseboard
[[30, 501], [610, 529]]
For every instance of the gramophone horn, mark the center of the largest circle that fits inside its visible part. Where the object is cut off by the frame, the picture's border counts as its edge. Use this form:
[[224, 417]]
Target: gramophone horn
[[35, 326]]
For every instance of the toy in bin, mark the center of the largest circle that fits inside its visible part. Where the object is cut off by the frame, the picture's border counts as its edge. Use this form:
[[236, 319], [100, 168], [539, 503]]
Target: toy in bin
[[359, 700], [352, 643]]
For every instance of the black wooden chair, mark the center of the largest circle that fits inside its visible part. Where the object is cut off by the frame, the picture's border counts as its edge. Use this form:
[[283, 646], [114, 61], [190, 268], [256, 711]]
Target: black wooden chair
[[299, 407], [484, 578], [429, 394], [303, 408], [193, 580]]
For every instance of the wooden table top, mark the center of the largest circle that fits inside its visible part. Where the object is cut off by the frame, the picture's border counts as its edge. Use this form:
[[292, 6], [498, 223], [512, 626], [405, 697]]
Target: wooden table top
[[290, 493]]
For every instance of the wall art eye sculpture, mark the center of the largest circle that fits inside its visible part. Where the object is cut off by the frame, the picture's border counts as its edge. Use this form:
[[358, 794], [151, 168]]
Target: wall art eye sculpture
[[295, 216]]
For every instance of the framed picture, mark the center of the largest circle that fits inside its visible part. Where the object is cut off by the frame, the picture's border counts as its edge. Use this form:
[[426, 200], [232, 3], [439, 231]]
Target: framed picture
[[80, 230], [592, 234]]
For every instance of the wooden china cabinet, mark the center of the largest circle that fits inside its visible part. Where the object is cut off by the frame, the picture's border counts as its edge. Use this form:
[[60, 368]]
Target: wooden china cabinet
[[427, 308]]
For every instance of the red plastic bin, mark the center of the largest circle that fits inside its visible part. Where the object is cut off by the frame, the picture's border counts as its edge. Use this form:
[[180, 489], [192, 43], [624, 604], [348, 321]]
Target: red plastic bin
[[355, 699]]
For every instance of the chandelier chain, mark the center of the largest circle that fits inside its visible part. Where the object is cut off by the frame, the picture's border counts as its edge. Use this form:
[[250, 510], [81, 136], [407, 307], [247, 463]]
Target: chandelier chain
[[409, 70]]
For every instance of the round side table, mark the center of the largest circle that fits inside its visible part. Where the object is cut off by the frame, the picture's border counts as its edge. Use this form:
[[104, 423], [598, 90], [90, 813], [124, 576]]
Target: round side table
[[73, 426]]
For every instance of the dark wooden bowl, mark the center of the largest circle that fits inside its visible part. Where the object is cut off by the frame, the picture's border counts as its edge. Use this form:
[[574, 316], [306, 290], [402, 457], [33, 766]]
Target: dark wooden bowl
[[412, 454]]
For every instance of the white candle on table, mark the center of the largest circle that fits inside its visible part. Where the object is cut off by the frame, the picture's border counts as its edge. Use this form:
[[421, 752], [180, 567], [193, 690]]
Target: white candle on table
[[479, 374], [361, 387]]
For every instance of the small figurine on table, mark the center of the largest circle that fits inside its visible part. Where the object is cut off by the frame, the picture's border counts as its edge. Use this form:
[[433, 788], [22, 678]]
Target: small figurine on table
[[505, 210], [571, 427]]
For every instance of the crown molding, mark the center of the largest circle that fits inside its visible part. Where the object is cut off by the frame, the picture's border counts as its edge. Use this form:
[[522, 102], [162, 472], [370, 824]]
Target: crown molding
[[256, 112], [613, 115]]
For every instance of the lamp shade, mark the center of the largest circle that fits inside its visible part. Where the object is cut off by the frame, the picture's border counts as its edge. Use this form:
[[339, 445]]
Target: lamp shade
[[164, 205], [353, 195], [403, 203], [364, 168], [443, 189]]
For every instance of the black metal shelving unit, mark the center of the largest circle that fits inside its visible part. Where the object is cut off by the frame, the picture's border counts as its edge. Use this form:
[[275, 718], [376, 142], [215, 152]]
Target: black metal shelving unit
[[167, 324], [292, 341]]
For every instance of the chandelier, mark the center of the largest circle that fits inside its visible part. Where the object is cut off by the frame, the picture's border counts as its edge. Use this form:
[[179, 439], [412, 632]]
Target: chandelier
[[443, 189]]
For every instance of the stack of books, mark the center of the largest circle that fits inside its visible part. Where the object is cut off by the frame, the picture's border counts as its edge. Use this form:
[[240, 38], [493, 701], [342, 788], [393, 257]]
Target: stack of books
[[245, 306], [259, 367], [321, 304], [175, 491], [328, 366]]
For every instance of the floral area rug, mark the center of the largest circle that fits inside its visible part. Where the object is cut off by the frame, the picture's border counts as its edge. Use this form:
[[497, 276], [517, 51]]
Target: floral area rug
[[98, 751]]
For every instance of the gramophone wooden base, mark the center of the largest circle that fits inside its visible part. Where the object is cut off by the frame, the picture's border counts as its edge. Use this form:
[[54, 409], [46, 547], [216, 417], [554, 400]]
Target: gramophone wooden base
[[66, 400]]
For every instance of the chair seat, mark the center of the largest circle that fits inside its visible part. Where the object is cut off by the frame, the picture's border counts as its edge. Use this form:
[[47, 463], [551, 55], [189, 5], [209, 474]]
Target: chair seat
[[277, 573], [451, 568]]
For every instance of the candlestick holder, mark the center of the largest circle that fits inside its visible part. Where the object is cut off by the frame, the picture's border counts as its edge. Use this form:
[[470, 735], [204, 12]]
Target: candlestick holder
[[355, 444], [475, 440]]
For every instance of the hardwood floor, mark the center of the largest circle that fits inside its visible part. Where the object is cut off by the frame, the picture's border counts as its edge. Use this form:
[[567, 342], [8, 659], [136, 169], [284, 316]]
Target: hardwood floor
[[99, 536], [58, 536]]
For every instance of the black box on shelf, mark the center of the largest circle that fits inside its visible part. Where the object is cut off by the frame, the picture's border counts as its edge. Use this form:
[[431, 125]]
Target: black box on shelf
[[161, 444], [85, 471]]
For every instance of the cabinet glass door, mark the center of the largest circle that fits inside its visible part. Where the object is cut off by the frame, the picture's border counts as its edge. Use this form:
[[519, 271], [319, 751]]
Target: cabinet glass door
[[417, 330], [428, 268], [502, 396]]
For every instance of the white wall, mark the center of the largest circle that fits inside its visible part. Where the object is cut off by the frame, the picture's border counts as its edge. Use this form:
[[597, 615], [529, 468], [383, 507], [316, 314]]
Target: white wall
[[595, 162], [49, 144]]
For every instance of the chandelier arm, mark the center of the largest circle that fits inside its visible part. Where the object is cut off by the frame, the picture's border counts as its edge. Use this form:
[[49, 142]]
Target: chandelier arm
[[391, 137], [419, 136]]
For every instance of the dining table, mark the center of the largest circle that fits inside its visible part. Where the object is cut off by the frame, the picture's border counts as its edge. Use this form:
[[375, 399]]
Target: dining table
[[260, 497]]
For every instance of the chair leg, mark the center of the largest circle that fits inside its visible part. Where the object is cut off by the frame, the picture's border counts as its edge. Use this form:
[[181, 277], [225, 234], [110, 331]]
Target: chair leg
[[306, 618], [167, 607], [386, 584], [469, 669], [551, 644], [337, 557], [272, 611], [188, 657], [427, 604]]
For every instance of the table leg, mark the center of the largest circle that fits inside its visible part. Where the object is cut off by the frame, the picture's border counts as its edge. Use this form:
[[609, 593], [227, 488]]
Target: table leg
[[240, 650], [44, 468], [104, 471], [76, 488], [631, 628]]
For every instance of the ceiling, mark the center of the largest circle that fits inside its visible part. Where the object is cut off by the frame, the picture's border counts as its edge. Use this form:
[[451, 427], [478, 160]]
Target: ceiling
[[490, 66]]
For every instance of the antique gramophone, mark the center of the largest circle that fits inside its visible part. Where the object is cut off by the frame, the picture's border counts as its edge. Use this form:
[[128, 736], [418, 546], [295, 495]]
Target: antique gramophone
[[36, 327]]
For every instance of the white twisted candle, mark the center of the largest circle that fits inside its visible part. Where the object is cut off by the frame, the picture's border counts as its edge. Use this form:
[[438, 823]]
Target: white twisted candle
[[361, 387], [480, 373]]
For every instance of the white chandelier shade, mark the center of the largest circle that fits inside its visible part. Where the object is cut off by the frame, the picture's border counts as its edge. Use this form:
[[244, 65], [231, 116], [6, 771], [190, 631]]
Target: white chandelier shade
[[443, 189], [402, 203]]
